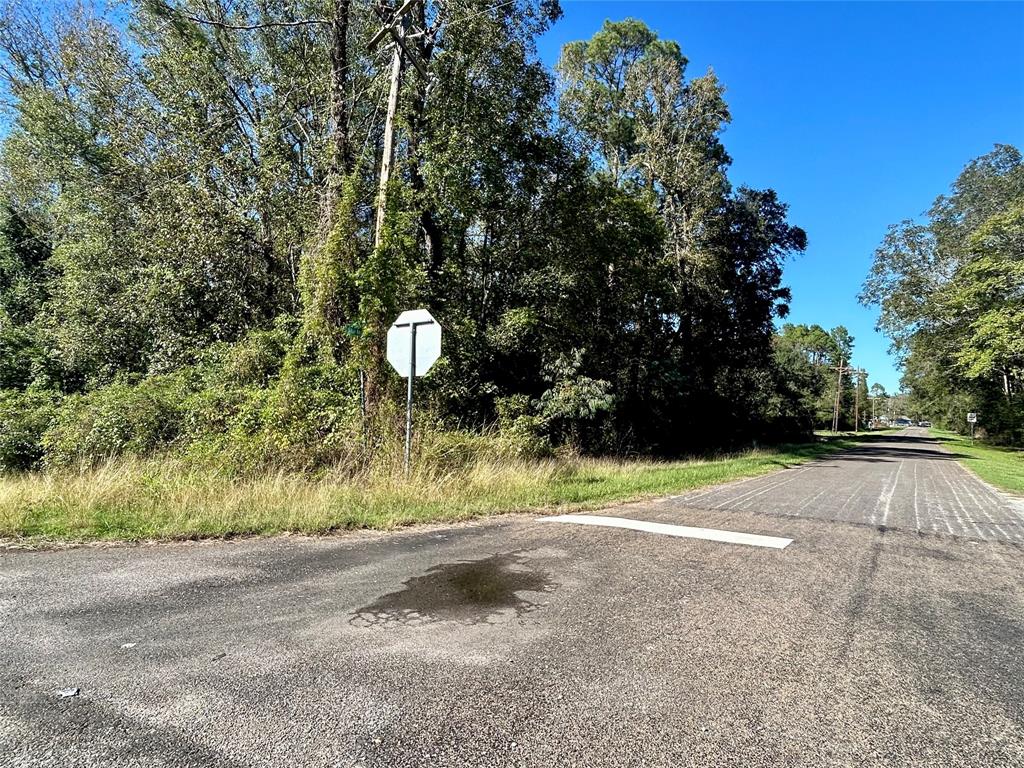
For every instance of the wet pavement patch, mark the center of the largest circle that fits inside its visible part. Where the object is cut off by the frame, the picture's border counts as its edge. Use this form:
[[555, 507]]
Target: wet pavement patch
[[473, 592]]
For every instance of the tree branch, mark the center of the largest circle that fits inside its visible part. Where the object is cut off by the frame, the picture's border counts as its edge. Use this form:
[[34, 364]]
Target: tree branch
[[242, 27]]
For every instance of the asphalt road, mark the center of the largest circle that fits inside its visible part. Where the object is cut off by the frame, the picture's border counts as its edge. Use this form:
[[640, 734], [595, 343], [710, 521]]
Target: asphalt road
[[908, 481], [888, 633]]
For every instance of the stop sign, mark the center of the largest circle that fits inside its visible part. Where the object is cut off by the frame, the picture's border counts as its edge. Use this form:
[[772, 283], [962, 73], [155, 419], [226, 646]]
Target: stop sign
[[414, 326]]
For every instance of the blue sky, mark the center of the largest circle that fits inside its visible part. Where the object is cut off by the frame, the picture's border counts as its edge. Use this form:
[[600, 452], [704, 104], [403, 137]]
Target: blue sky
[[858, 114]]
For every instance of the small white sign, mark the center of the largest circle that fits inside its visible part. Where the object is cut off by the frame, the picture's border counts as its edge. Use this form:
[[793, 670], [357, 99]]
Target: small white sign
[[427, 335], [972, 418]]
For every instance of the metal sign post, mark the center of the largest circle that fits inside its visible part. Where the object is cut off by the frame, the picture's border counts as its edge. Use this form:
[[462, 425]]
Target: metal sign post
[[408, 395], [972, 418], [414, 344], [354, 330]]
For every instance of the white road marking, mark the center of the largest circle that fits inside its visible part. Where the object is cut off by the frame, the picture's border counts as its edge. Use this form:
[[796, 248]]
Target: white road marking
[[738, 501], [937, 507], [811, 499], [942, 472], [968, 485], [888, 501], [685, 531], [692, 496], [886, 497], [853, 495], [917, 514]]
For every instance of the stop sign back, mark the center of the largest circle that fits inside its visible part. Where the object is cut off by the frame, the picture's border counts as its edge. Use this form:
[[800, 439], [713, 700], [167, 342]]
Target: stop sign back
[[414, 326]]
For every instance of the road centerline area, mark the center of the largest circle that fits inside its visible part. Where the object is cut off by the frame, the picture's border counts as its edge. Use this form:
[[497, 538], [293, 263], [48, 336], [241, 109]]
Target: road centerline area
[[667, 529]]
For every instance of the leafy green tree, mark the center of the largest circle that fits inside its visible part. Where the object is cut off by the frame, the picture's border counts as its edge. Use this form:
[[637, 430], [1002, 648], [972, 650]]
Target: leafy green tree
[[986, 293], [191, 183], [24, 286], [948, 291], [625, 96], [810, 356]]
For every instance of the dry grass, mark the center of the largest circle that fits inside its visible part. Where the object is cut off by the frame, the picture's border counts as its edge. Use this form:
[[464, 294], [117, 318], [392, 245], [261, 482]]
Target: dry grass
[[167, 499]]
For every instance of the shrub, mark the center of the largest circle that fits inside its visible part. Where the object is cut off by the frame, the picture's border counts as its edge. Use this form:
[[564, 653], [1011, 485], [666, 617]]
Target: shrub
[[256, 360], [314, 412], [525, 438], [573, 407], [119, 419], [24, 418], [454, 448], [308, 418]]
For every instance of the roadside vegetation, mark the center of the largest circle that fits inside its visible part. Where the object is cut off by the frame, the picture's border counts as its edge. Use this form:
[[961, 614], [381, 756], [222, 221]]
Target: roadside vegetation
[[949, 288], [185, 184], [197, 272], [136, 499], [1001, 466]]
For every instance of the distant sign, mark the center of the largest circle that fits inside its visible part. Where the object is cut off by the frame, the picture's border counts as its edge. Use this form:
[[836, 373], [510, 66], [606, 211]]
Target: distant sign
[[414, 341], [972, 418]]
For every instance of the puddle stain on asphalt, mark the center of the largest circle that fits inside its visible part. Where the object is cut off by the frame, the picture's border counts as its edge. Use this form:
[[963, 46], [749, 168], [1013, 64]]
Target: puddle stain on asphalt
[[473, 592]]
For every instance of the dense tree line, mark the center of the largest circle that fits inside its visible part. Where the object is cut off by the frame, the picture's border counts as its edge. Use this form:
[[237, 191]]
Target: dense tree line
[[951, 293], [187, 250], [810, 360]]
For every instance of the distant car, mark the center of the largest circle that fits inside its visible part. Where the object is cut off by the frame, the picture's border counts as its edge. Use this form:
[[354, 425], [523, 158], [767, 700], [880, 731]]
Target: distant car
[[924, 423], [903, 423]]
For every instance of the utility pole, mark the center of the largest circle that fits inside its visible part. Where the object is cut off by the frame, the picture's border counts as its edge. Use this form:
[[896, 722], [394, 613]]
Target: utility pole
[[388, 157], [839, 389], [398, 27], [856, 404], [856, 399], [841, 368]]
